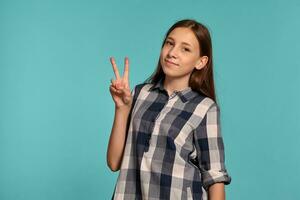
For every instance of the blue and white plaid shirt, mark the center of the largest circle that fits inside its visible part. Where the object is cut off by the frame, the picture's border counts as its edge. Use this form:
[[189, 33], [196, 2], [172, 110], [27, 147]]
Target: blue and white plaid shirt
[[174, 147]]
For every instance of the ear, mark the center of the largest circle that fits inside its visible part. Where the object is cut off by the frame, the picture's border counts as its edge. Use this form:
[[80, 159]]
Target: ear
[[202, 61]]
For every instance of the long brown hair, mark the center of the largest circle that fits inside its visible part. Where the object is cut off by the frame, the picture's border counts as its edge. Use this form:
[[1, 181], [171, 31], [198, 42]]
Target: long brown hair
[[201, 80]]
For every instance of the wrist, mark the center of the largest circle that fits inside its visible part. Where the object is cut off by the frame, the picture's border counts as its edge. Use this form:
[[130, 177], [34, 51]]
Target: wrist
[[123, 108]]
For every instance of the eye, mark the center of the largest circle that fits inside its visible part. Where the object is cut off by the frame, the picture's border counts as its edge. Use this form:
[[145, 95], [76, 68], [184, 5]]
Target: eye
[[186, 49], [168, 42]]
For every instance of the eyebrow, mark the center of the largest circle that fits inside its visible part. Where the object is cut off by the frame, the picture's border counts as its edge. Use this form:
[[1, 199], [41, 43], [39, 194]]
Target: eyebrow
[[182, 42]]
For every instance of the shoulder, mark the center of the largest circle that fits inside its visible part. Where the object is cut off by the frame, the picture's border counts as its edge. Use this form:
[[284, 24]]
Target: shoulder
[[200, 98], [204, 104], [141, 87]]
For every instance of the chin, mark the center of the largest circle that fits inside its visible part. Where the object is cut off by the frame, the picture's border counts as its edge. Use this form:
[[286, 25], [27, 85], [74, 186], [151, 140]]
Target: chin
[[169, 72]]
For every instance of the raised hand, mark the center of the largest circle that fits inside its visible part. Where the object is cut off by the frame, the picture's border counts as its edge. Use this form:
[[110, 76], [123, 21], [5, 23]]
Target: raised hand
[[119, 88]]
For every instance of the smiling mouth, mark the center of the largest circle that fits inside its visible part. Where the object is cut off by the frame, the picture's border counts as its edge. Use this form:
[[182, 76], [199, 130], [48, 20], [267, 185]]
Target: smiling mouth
[[169, 62]]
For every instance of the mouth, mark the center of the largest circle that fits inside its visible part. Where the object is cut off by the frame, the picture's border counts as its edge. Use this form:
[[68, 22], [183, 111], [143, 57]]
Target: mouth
[[170, 63]]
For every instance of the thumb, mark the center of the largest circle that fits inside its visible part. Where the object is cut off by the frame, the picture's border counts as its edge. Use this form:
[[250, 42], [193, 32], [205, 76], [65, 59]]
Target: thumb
[[127, 92], [127, 96]]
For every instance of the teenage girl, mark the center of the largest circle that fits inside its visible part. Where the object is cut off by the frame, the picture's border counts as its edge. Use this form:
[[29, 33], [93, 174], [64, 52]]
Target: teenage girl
[[166, 138]]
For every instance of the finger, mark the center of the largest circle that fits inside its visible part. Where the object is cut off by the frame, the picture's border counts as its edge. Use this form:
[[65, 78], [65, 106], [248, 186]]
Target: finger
[[112, 89], [125, 92], [126, 70], [113, 82], [115, 68], [118, 84], [119, 91], [115, 90]]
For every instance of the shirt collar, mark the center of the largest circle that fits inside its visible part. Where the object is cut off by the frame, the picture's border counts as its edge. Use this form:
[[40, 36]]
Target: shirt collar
[[185, 95]]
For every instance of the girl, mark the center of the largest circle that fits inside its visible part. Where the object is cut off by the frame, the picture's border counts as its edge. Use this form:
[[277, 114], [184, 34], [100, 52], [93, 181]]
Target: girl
[[166, 139]]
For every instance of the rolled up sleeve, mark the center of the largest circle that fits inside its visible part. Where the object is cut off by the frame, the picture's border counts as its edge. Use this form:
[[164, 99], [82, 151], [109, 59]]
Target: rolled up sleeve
[[210, 149]]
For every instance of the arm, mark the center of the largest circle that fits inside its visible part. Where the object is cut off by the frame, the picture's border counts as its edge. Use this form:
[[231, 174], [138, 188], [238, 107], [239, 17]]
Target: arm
[[210, 151], [216, 192], [122, 97], [117, 139]]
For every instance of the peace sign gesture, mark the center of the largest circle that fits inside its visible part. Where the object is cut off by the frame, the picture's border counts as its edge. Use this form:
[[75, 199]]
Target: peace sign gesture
[[119, 88]]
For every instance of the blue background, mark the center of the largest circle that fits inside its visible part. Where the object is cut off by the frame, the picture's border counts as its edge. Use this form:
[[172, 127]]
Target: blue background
[[56, 111]]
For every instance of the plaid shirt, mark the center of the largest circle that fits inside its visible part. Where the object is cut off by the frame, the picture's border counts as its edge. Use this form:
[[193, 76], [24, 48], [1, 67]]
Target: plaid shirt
[[174, 148]]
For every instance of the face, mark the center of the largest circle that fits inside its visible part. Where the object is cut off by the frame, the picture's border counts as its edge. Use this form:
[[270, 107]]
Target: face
[[180, 54]]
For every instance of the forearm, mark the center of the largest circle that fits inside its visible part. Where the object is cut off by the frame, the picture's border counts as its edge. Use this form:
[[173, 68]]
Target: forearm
[[216, 192], [117, 139]]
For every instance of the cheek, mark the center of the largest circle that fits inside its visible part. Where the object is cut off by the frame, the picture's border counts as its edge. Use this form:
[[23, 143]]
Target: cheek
[[161, 56], [163, 52], [188, 64], [190, 60]]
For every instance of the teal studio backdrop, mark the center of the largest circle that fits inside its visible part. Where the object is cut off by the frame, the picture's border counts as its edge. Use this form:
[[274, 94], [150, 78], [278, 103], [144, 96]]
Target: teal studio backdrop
[[56, 111]]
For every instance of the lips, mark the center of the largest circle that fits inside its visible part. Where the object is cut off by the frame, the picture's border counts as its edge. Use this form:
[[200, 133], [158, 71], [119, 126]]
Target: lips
[[168, 61]]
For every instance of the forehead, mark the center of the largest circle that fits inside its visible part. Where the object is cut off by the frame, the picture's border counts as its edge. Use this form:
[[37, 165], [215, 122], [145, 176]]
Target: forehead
[[184, 35]]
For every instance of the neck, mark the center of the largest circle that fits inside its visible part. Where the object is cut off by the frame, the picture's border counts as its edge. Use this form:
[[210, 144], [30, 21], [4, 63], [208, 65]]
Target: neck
[[175, 84]]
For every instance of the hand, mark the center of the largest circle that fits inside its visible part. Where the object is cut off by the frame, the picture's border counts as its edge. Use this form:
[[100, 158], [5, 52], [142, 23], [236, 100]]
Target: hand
[[119, 88]]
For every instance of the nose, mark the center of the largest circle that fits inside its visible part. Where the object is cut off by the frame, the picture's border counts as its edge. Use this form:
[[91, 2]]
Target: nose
[[172, 52]]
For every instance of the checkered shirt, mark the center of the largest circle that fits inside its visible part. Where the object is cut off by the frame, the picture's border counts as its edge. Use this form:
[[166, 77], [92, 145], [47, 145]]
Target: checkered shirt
[[174, 147]]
